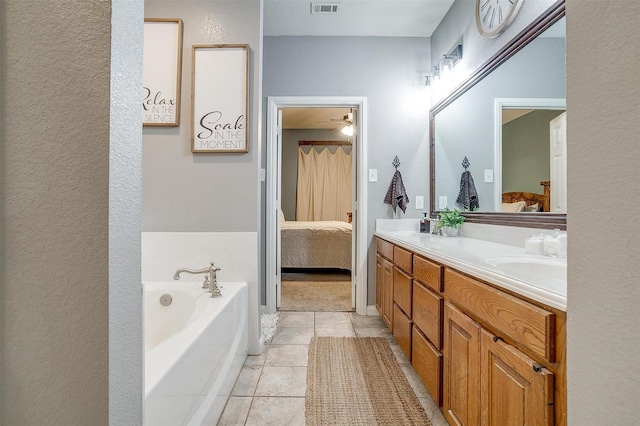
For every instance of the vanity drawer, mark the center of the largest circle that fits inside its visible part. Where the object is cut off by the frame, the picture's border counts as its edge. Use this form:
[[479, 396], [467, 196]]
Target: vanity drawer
[[403, 259], [525, 323], [402, 330], [427, 272], [427, 361], [384, 248], [427, 313], [402, 290]]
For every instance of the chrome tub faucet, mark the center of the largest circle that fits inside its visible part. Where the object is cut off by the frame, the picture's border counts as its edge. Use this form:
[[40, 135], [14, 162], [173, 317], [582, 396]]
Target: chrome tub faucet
[[210, 278]]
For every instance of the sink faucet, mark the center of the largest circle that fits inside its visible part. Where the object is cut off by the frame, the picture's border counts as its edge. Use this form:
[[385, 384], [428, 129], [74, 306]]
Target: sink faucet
[[211, 270]]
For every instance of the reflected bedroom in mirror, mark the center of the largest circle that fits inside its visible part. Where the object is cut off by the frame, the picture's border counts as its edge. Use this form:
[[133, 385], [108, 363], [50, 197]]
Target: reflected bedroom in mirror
[[508, 121]]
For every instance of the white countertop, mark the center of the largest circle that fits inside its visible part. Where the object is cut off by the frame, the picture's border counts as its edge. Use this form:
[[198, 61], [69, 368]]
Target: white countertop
[[468, 255]]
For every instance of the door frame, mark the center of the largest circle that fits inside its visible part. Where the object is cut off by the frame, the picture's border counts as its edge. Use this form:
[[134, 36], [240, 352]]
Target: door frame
[[273, 176], [514, 103]]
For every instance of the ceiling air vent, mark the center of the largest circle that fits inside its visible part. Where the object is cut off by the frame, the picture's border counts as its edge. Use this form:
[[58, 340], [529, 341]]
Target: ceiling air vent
[[324, 8]]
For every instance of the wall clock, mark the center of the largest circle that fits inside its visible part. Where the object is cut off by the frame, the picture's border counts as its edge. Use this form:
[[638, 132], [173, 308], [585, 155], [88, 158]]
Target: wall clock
[[494, 16]]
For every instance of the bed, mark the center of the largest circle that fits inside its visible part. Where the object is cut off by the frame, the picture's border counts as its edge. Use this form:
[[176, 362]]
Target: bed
[[515, 202], [319, 244]]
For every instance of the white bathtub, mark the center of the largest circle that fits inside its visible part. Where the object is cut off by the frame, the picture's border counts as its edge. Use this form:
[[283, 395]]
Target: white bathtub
[[194, 350]]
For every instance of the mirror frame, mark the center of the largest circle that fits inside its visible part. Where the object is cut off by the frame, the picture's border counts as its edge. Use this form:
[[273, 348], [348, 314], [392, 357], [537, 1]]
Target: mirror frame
[[531, 220]]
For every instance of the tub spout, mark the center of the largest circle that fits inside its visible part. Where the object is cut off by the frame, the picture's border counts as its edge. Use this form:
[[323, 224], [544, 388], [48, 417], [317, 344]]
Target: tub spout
[[212, 284], [176, 276]]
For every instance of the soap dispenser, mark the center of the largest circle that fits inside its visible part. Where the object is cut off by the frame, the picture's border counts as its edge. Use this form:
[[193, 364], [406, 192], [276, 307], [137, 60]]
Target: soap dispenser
[[424, 224]]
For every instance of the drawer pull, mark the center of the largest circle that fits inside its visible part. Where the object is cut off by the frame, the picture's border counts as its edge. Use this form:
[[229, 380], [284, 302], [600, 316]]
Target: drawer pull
[[537, 368], [496, 338]]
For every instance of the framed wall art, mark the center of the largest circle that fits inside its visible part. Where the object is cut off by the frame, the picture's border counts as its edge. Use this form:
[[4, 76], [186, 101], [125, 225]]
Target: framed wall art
[[219, 95], [161, 72]]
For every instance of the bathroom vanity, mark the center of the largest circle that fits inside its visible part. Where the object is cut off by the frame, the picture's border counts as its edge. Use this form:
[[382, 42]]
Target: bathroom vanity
[[484, 331]]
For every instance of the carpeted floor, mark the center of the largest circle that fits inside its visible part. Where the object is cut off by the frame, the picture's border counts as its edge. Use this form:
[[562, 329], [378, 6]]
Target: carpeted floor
[[357, 381], [316, 290]]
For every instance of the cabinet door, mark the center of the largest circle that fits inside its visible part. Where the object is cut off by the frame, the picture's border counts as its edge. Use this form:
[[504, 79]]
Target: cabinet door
[[379, 286], [461, 376], [387, 293], [515, 389]]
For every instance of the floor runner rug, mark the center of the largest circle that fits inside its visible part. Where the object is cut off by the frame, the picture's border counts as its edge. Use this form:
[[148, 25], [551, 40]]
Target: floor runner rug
[[357, 381]]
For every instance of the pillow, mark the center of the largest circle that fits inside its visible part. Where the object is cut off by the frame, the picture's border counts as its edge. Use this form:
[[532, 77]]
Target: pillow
[[531, 208], [282, 219], [516, 207]]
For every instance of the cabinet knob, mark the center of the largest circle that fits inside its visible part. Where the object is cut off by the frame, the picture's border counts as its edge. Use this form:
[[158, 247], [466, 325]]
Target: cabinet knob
[[537, 367], [496, 338]]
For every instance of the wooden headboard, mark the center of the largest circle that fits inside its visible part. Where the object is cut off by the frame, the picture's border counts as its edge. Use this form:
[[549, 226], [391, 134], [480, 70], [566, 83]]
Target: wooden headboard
[[543, 200]]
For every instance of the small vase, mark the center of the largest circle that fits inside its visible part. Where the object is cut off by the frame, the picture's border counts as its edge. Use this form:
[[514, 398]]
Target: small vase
[[449, 231]]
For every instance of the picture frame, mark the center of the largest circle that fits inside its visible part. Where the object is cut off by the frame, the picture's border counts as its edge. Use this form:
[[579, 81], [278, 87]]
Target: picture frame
[[219, 94], [162, 72]]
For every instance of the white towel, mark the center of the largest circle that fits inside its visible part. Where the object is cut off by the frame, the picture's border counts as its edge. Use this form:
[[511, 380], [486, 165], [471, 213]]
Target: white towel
[[396, 194]]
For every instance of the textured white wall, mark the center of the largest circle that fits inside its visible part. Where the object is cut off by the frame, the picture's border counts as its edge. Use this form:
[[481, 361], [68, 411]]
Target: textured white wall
[[125, 197], [603, 328], [55, 217]]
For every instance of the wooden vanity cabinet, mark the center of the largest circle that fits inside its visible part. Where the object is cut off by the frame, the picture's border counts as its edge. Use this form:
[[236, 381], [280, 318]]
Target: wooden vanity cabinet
[[427, 325], [384, 290], [461, 375], [488, 377], [402, 299], [384, 281], [514, 389], [486, 355]]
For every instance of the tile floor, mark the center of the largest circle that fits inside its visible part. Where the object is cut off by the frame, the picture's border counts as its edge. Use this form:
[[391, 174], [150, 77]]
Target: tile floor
[[271, 387]]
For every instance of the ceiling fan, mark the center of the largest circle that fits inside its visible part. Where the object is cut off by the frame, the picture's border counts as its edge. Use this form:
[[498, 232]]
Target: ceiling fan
[[346, 123]]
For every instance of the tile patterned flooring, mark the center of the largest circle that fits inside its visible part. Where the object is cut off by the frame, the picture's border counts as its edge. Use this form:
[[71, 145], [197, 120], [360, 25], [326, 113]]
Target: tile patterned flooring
[[271, 387]]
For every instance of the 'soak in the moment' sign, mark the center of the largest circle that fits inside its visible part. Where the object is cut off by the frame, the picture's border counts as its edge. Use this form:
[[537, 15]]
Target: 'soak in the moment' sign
[[219, 96]]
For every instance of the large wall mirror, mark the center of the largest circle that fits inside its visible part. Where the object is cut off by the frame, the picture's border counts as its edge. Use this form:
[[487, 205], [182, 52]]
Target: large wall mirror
[[509, 120]]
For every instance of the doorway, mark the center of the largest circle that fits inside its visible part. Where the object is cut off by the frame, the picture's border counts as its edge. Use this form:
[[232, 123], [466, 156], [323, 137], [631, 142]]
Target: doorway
[[510, 110], [275, 194]]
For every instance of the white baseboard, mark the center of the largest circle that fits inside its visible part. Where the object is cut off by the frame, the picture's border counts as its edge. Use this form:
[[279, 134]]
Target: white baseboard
[[372, 311]]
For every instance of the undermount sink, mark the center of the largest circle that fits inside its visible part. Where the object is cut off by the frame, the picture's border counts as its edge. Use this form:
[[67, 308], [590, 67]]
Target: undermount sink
[[534, 267]]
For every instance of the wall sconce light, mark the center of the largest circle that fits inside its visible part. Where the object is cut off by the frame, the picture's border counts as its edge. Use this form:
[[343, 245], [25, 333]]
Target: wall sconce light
[[448, 61], [432, 77]]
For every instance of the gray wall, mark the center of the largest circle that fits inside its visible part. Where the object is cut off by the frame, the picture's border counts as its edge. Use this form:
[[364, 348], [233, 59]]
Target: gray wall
[[199, 192], [386, 71], [459, 25], [290, 138], [525, 151], [603, 336]]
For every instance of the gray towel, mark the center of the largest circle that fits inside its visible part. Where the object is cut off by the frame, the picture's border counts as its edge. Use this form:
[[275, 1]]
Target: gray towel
[[396, 194], [468, 196]]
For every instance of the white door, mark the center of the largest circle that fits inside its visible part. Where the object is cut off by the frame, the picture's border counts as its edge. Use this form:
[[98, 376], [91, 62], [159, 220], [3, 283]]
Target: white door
[[558, 185], [354, 207], [278, 203]]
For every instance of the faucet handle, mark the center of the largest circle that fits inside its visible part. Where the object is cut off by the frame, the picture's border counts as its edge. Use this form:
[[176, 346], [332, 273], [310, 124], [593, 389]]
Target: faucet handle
[[206, 283]]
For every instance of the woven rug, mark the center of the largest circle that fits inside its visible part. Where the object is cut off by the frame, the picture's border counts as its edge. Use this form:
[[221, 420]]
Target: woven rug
[[357, 381], [316, 296]]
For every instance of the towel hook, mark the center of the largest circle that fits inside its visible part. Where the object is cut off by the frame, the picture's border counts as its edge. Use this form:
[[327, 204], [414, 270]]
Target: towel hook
[[465, 163], [396, 162]]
